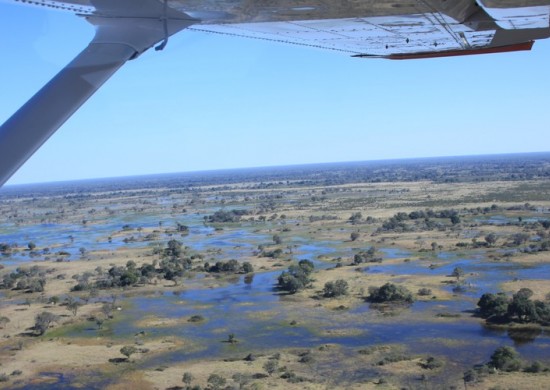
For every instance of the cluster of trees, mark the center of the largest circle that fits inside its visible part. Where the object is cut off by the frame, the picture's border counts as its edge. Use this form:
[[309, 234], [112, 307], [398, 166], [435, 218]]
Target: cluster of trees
[[297, 277], [521, 308], [390, 293], [356, 218], [503, 359], [223, 216], [274, 254], [512, 241], [32, 279], [183, 229], [229, 266], [398, 222], [367, 256], [175, 263], [6, 249]]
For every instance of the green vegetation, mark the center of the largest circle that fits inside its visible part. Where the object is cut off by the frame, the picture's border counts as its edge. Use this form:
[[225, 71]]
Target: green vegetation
[[176, 261], [389, 293], [418, 225], [505, 359], [498, 308], [230, 266], [43, 321], [224, 216], [335, 289], [216, 382], [128, 350], [297, 277], [367, 256], [32, 279], [422, 220]]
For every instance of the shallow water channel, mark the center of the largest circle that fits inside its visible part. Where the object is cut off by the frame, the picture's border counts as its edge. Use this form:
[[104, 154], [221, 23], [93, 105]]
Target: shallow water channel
[[256, 313]]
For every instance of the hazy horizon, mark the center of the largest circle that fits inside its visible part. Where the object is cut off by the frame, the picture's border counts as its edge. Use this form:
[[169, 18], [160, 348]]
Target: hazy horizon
[[268, 167]]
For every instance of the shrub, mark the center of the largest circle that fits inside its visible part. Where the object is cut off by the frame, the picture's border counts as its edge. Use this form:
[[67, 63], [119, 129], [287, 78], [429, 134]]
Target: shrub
[[216, 381], [505, 359], [424, 292], [297, 276], [432, 363], [196, 318], [42, 322], [271, 366], [128, 350], [335, 289], [535, 367], [389, 292]]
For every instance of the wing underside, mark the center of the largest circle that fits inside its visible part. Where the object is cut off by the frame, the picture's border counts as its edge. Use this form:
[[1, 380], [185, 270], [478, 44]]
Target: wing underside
[[405, 35], [375, 36], [367, 28]]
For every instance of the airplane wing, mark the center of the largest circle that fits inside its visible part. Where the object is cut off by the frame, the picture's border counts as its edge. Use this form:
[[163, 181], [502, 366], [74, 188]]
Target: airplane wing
[[361, 28]]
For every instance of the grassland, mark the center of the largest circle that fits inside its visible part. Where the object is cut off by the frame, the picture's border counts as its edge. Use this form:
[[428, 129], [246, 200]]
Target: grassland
[[75, 249]]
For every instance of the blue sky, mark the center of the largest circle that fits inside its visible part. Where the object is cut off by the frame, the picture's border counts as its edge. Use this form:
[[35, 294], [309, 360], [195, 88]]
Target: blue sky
[[214, 102]]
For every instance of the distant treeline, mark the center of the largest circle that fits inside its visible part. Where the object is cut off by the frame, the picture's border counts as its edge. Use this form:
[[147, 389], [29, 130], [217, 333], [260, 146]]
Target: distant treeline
[[512, 167]]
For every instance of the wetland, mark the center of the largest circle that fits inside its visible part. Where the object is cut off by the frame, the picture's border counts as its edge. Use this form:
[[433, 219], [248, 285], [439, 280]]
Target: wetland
[[352, 275]]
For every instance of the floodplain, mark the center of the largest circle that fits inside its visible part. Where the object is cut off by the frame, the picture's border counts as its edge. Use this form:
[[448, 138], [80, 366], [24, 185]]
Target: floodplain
[[409, 274]]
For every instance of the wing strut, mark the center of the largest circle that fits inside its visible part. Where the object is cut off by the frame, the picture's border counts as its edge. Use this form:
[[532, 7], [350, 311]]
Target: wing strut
[[119, 37]]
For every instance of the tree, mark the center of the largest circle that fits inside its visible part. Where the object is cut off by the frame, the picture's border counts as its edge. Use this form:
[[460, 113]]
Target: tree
[[99, 322], [289, 283], [458, 273], [520, 238], [389, 292], [128, 350], [107, 309], [297, 276], [247, 267], [271, 366], [522, 308], [182, 228], [493, 306], [455, 219], [356, 218], [505, 359], [31, 245], [335, 289], [4, 321], [187, 378], [73, 305], [241, 379], [43, 321], [491, 239], [216, 381], [173, 249], [277, 239], [354, 236]]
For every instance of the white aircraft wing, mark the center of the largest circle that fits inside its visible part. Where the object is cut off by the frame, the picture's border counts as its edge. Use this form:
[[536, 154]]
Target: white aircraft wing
[[361, 28]]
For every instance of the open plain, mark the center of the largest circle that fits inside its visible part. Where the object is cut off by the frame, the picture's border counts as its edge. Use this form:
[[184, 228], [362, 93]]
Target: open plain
[[356, 276]]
